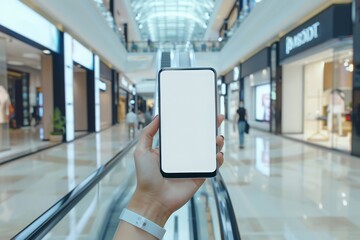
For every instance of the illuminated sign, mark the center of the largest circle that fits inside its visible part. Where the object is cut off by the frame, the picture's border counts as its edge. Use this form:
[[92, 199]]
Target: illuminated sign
[[21, 19], [102, 86], [306, 35], [82, 55]]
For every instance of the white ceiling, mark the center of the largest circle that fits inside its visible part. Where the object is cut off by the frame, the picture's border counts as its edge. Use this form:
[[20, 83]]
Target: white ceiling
[[21, 52]]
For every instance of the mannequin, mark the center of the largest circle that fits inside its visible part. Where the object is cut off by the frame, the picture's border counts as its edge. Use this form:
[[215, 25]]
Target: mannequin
[[336, 107], [4, 118], [4, 105]]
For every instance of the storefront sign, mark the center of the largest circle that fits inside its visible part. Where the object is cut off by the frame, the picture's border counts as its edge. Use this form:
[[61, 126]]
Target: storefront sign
[[19, 18], [236, 73], [102, 86], [82, 55], [306, 35], [332, 23]]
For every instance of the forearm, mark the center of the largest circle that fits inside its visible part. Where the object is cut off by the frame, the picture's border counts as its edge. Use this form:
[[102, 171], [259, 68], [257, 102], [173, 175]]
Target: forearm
[[146, 207]]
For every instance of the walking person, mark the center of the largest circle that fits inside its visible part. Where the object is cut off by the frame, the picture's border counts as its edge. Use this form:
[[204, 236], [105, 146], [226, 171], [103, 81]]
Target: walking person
[[240, 120], [131, 119], [148, 116]]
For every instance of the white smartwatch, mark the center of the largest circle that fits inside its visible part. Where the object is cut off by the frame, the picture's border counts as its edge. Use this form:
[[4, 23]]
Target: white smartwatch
[[142, 223]]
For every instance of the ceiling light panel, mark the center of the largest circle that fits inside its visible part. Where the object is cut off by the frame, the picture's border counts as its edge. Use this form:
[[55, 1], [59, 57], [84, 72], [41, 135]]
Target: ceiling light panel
[[172, 20]]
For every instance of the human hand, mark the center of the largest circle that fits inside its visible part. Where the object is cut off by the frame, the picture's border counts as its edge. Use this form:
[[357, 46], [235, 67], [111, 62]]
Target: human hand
[[156, 197]]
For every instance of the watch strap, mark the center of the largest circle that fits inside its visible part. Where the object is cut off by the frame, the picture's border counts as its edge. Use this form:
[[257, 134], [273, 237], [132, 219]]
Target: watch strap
[[142, 223]]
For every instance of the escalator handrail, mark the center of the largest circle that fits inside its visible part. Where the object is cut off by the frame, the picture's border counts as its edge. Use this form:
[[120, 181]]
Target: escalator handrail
[[46, 221], [221, 192]]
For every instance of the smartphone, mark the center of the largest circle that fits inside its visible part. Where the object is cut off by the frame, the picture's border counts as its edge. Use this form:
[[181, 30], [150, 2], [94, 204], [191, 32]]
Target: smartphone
[[188, 122]]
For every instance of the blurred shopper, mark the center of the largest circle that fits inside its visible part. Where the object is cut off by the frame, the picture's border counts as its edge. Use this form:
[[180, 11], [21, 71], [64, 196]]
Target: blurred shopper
[[240, 119], [134, 47], [155, 197], [141, 120], [131, 120], [148, 116]]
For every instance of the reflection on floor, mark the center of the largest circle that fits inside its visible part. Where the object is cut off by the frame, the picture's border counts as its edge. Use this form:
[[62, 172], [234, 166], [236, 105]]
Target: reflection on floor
[[30, 185], [326, 139], [24, 141], [282, 189]]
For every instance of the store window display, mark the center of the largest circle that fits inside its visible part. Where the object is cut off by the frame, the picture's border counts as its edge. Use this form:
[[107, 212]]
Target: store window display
[[4, 118], [328, 100], [336, 108]]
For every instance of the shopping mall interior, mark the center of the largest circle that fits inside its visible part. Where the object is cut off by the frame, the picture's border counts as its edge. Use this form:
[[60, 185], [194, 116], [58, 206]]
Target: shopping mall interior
[[80, 89]]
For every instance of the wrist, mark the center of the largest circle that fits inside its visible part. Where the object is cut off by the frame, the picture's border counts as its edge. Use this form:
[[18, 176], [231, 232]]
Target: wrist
[[149, 208]]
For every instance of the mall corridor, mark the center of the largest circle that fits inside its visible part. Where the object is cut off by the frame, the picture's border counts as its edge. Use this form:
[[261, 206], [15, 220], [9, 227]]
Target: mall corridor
[[109, 114], [280, 188]]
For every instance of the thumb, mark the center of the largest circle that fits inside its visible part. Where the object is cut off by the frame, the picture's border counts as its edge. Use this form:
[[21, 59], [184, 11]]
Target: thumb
[[148, 133]]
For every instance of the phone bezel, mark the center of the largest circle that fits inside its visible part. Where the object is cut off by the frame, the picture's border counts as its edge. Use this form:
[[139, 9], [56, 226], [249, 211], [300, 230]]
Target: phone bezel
[[189, 174]]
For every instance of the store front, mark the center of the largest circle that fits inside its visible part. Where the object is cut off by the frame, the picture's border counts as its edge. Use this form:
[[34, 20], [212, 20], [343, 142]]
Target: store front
[[233, 92], [317, 71], [26, 76], [105, 96], [126, 98], [222, 91], [257, 89], [83, 72]]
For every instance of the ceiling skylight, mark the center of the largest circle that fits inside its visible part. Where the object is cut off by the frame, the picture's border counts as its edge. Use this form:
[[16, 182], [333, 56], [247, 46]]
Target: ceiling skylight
[[172, 20]]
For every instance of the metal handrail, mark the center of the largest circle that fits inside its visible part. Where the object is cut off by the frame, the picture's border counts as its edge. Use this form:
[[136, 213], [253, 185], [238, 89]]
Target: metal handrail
[[229, 228], [45, 222]]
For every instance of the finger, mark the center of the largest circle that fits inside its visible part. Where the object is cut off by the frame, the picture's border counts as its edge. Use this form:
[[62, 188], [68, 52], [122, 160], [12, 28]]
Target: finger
[[148, 133], [220, 158], [220, 119], [220, 142]]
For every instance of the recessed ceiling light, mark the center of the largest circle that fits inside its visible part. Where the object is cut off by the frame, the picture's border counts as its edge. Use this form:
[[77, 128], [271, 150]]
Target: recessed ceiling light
[[46, 51], [15, 63]]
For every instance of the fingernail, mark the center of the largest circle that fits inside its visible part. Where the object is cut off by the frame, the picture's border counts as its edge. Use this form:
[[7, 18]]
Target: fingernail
[[155, 116], [222, 137], [222, 153]]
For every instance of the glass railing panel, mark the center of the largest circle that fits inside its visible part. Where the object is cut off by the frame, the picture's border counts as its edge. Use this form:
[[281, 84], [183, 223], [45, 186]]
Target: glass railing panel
[[86, 220], [208, 224], [110, 20]]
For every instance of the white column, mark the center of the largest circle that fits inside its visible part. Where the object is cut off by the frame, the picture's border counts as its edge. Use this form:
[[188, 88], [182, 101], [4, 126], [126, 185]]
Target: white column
[[97, 92], [69, 88]]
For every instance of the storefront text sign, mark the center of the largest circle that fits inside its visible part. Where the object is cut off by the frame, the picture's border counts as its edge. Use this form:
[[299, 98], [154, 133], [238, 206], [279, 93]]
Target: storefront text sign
[[304, 36]]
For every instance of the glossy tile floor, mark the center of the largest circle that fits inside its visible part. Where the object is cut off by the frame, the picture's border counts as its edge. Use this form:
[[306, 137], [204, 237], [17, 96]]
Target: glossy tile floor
[[30, 185], [332, 140], [24, 141], [282, 189]]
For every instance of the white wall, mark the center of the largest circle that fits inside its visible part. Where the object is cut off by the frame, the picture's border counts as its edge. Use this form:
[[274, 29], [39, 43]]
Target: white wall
[[292, 99], [80, 101]]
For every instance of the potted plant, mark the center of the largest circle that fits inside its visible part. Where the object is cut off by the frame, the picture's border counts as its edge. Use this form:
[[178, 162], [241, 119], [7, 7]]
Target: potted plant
[[58, 122]]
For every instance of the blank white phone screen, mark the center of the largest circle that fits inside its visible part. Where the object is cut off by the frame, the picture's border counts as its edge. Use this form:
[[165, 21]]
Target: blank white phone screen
[[188, 121]]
